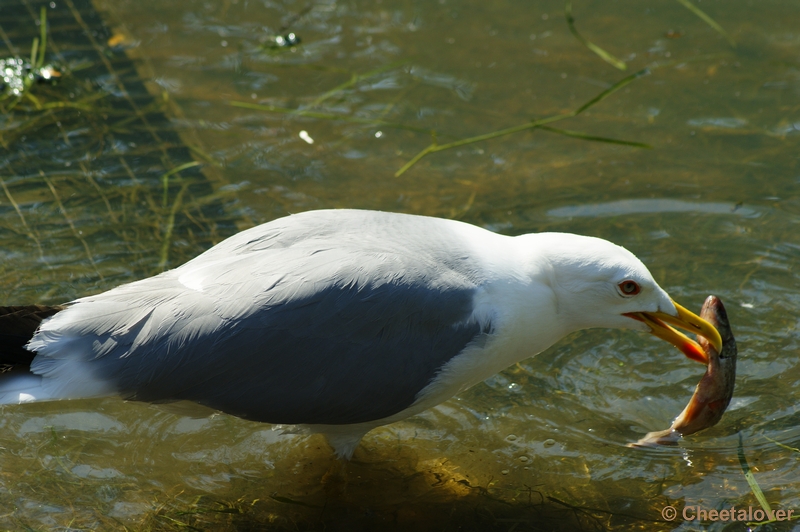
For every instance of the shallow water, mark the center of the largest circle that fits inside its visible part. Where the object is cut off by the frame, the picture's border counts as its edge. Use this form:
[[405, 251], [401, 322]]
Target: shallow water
[[713, 207]]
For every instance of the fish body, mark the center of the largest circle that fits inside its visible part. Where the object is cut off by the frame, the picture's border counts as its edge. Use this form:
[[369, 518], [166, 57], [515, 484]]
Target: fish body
[[714, 391]]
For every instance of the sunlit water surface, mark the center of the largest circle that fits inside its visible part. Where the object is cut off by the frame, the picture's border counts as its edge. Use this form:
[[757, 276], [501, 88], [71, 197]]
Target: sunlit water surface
[[713, 207]]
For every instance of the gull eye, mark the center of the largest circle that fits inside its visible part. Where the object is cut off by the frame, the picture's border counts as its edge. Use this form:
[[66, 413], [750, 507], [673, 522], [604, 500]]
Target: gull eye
[[629, 288]]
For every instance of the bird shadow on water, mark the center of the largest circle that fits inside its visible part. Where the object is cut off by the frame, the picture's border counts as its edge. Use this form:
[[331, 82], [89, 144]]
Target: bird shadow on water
[[384, 487], [86, 463], [391, 483]]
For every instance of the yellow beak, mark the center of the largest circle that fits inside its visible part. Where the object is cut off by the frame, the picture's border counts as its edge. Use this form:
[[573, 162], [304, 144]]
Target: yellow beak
[[687, 320]]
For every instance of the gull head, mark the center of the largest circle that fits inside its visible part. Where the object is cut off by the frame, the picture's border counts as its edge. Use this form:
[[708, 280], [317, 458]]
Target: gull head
[[596, 283]]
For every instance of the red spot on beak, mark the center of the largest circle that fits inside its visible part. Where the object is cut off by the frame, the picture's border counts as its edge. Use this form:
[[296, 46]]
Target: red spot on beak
[[693, 351]]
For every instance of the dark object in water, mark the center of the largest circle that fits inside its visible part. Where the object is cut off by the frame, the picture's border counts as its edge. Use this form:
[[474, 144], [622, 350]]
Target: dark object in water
[[17, 325], [715, 389]]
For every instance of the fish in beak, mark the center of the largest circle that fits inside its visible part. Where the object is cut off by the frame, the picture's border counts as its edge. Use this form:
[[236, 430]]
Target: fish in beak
[[659, 323]]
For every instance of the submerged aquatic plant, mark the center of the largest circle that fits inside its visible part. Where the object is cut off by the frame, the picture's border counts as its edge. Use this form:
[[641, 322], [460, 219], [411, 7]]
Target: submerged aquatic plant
[[19, 75], [605, 56]]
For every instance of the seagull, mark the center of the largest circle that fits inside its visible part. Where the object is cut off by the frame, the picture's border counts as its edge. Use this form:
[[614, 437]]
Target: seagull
[[337, 321]]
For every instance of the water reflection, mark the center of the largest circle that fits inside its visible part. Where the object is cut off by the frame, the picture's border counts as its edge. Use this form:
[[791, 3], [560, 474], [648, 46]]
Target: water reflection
[[651, 206]]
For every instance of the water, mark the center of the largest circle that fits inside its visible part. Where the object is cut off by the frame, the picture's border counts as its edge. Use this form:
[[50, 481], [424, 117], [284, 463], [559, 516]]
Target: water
[[713, 207]]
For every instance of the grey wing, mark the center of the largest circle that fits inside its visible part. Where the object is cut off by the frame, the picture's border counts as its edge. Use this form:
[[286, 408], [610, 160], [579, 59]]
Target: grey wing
[[281, 335]]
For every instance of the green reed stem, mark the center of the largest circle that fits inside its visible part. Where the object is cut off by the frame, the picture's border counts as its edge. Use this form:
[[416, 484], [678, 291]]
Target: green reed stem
[[39, 63], [779, 444], [751, 480], [595, 138], [605, 56], [166, 176], [708, 20], [434, 147]]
